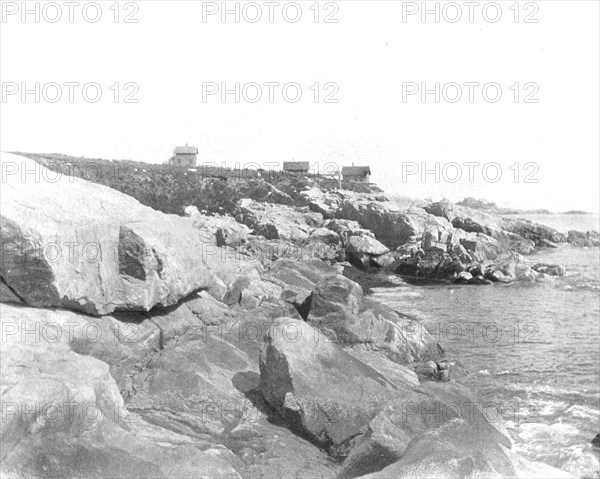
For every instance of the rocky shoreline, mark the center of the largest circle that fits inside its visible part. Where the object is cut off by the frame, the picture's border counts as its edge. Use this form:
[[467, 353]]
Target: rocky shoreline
[[143, 344]]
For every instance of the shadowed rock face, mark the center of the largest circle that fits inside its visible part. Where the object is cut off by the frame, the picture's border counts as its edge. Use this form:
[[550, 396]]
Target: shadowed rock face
[[134, 259]]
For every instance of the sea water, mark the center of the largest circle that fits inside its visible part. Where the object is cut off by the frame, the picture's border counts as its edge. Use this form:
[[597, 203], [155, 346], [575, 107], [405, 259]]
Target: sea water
[[531, 351]]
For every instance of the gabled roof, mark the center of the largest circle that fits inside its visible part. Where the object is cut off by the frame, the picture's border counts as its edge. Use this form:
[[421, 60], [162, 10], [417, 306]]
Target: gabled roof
[[186, 150], [356, 170], [296, 166]]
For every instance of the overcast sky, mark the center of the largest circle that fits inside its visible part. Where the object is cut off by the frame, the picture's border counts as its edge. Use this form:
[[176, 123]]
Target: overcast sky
[[546, 128]]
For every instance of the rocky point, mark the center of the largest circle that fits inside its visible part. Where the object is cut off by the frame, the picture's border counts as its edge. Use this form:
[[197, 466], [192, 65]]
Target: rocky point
[[138, 343]]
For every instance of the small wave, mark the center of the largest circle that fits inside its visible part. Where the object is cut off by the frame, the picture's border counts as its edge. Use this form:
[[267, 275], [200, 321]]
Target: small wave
[[583, 412], [581, 287], [534, 389], [396, 292]]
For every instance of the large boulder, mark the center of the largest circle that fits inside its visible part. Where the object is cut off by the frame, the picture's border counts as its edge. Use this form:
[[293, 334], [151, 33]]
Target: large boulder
[[365, 245], [84, 246], [362, 250], [318, 389]]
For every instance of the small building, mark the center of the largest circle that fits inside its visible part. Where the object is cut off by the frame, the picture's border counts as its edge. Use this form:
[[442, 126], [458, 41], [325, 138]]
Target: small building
[[184, 156], [297, 167], [359, 174]]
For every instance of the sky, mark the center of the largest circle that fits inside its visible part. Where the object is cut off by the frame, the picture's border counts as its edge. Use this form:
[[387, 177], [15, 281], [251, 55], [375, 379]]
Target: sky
[[360, 67]]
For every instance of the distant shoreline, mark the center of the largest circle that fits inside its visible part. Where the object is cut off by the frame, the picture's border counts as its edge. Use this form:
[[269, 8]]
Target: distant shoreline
[[544, 212], [492, 208]]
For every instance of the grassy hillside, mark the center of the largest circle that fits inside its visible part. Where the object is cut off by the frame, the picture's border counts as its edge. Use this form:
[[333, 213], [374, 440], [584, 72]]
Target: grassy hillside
[[170, 189]]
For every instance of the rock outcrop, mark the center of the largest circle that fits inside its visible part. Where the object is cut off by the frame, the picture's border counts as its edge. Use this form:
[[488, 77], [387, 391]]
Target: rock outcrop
[[84, 246], [511, 230], [278, 221], [63, 415]]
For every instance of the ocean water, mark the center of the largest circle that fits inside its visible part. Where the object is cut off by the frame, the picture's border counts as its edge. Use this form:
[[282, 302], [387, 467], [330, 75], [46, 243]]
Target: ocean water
[[530, 351]]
